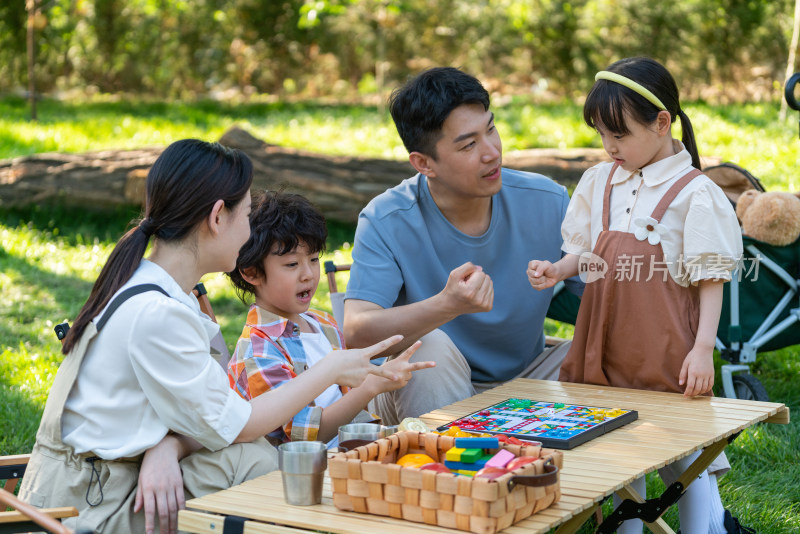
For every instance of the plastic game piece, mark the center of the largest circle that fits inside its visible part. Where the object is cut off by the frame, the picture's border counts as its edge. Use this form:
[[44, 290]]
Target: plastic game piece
[[477, 443], [456, 432], [558, 406], [500, 459]]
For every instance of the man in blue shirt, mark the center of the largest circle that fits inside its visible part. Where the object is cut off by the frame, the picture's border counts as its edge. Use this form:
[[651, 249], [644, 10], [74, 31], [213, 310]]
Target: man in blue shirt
[[442, 256]]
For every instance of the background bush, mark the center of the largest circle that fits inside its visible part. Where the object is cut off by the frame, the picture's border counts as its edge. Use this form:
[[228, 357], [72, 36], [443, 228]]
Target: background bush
[[720, 50]]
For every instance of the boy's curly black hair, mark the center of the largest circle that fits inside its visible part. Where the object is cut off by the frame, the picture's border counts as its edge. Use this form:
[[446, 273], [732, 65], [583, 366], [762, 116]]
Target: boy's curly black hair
[[282, 219]]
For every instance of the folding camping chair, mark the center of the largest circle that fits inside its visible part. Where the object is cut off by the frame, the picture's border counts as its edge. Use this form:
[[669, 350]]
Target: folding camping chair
[[23, 517], [337, 298], [27, 518]]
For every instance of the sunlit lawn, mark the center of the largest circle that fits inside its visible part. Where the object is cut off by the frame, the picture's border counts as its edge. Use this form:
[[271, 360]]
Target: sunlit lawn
[[749, 135]]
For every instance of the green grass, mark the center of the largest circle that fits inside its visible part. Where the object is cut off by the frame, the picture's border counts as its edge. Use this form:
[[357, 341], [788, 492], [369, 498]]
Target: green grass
[[50, 256], [747, 134], [49, 259]]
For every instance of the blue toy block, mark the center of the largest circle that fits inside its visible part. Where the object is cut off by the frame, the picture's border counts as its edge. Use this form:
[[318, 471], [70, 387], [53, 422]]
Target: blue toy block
[[477, 443], [463, 466]]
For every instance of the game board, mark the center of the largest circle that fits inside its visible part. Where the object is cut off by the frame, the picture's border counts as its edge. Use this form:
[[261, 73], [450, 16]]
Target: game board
[[555, 425]]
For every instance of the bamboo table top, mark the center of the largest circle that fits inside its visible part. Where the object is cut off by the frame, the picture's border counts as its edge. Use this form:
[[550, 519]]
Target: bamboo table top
[[669, 427]]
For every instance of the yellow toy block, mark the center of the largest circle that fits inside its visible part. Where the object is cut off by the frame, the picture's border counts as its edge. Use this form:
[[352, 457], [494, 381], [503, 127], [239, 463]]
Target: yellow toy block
[[454, 454]]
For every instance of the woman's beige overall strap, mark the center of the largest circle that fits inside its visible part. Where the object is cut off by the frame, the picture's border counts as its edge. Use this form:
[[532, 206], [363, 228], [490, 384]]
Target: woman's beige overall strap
[[50, 429]]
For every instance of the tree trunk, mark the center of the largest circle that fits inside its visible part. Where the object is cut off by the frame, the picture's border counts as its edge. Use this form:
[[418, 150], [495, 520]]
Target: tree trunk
[[339, 185]]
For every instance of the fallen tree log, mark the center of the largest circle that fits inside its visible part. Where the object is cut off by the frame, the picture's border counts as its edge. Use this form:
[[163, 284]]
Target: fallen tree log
[[339, 185]]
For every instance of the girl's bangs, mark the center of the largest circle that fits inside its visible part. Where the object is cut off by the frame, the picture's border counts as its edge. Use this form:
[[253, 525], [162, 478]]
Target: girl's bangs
[[605, 105]]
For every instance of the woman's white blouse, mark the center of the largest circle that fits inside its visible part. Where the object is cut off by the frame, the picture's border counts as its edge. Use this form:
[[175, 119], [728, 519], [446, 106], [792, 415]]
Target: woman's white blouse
[[701, 239], [150, 371]]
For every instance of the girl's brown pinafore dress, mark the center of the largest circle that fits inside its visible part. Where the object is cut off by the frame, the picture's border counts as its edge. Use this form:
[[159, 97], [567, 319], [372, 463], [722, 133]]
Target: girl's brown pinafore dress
[[635, 325]]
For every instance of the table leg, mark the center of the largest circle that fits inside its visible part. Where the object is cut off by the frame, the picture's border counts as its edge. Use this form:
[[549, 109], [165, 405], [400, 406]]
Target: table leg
[[574, 523], [659, 526], [651, 510]]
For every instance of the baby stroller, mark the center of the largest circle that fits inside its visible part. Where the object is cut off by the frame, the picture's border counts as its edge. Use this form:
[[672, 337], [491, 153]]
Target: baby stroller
[[760, 306]]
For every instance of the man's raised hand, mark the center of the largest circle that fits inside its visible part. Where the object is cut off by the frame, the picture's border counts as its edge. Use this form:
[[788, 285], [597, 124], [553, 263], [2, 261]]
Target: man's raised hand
[[469, 290]]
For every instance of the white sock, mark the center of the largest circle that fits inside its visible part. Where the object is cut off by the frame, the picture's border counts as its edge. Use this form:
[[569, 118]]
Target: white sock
[[693, 505], [632, 526], [716, 508]]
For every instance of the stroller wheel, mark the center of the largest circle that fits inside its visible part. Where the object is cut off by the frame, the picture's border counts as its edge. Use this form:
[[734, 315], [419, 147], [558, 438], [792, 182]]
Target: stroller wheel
[[748, 387]]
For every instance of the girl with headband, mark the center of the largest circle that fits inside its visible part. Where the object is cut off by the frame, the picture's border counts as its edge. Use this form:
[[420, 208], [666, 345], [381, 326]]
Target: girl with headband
[[654, 240]]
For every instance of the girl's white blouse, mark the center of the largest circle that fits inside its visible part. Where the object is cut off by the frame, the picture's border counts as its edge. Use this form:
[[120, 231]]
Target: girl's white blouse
[[150, 371], [703, 239]]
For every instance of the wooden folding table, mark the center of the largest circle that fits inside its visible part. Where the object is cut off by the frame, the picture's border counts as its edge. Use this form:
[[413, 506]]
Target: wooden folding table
[[669, 427]]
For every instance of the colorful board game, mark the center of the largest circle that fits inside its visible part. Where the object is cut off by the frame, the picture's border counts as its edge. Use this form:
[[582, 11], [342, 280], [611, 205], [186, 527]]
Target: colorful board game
[[555, 425]]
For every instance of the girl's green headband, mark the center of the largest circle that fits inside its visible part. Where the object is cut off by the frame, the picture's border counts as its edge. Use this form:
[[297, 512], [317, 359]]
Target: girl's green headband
[[632, 85]]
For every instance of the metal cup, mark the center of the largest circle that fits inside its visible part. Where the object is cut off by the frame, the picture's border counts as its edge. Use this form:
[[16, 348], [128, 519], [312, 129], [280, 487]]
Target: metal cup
[[302, 465], [364, 431]]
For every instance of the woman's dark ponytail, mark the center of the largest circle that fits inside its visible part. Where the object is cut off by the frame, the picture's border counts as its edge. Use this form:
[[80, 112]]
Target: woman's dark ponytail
[[119, 268], [182, 186]]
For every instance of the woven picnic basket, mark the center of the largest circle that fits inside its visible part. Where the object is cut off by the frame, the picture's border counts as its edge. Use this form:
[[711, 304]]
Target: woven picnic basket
[[367, 480]]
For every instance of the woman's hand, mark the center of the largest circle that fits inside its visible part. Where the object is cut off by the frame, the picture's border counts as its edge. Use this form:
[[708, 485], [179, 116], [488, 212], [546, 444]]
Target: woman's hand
[[160, 488], [697, 371], [401, 367]]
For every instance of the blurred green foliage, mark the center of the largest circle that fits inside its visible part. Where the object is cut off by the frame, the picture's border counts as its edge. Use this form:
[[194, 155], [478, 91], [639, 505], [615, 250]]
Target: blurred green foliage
[[730, 49]]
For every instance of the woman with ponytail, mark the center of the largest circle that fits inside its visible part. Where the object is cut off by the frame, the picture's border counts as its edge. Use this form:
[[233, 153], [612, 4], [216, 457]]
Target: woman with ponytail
[[139, 391], [654, 240]]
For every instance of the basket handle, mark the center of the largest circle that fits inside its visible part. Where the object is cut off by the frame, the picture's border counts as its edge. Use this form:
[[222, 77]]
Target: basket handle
[[549, 478]]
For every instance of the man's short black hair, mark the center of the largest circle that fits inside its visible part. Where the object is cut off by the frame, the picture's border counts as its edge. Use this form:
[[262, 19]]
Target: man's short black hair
[[420, 107], [282, 219]]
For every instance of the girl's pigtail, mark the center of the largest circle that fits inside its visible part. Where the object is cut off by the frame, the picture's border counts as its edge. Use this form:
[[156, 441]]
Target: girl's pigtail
[[688, 138], [121, 264]]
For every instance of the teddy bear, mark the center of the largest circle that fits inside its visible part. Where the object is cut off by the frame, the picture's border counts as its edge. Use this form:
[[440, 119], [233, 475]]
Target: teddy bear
[[772, 217]]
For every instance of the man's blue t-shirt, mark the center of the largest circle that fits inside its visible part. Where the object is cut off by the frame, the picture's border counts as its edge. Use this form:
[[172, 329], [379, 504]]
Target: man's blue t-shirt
[[405, 249]]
